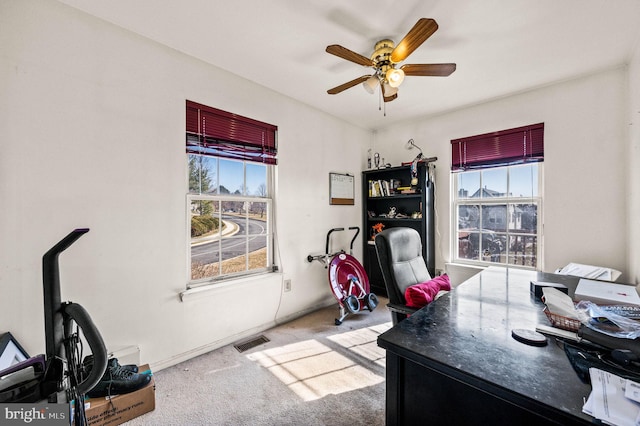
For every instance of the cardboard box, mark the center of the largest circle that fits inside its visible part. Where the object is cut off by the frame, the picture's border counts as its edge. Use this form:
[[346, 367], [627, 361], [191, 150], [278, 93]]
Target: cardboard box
[[121, 408]]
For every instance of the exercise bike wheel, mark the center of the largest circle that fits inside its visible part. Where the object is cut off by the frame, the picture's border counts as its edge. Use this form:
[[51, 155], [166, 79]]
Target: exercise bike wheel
[[341, 269], [372, 301], [352, 303]]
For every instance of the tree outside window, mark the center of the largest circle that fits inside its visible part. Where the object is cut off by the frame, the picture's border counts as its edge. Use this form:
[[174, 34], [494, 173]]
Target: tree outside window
[[229, 212]]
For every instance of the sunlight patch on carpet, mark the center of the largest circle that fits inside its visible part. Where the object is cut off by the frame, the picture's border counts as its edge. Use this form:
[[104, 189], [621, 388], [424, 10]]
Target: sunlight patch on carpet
[[364, 342], [313, 370]]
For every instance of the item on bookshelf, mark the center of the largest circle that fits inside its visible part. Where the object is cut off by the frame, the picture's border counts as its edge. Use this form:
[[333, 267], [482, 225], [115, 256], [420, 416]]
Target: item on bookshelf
[[376, 160], [371, 213], [414, 169], [376, 229], [416, 215], [392, 212], [381, 188], [423, 160], [414, 164], [386, 189]]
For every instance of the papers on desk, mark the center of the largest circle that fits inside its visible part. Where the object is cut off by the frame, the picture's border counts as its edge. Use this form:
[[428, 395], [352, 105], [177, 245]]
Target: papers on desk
[[589, 271], [560, 303], [613, 400]]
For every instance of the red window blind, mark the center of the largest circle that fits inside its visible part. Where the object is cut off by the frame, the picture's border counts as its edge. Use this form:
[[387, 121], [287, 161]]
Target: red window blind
[[513, 146], [214, 132]]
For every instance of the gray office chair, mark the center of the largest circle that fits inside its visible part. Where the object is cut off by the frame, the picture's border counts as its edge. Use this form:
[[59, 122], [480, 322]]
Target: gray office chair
[[400, 256]]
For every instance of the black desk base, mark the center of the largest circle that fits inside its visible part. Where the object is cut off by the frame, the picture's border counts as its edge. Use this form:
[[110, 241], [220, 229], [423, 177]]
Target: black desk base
[[418, 395], [454, 362]]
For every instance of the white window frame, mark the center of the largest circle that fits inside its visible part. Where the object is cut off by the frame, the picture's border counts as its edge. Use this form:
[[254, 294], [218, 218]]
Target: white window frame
[[219, 198], [506, 200]]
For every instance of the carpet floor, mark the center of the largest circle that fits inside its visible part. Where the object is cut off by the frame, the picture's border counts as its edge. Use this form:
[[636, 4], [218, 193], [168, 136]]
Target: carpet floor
[[309, 372]]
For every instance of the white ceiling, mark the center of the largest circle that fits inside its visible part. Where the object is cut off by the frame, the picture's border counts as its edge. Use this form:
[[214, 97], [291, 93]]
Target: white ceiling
[[500, 47]]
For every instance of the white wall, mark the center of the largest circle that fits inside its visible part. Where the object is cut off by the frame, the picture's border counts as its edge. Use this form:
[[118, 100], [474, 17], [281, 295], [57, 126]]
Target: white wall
[[633, 220], [585, 168], [92, 135]]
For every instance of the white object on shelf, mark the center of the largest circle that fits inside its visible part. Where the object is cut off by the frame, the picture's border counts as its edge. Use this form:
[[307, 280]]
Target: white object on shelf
[[590, 271]]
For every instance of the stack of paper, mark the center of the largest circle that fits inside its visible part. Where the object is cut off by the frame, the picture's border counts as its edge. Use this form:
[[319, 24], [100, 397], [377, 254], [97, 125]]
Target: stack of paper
[[589, 271], [613, 400]]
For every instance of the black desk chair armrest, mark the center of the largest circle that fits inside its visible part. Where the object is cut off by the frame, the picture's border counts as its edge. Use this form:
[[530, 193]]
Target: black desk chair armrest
[[401, 309], [399, 312]]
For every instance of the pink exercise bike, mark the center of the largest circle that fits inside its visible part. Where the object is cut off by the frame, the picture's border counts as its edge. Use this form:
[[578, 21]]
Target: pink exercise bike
[[347, 278]]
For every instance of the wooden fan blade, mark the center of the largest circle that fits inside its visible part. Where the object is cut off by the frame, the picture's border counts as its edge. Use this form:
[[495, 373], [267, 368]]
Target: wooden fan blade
[[434, 70], [422, 30], [349, 55], [348, 85]]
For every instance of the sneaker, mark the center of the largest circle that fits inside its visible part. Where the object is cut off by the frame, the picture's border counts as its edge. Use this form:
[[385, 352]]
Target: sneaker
[[88, 364], [118, 380]]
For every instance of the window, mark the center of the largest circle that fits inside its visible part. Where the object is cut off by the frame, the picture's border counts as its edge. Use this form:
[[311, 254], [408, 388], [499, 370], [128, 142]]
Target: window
[[229, 204], [496, 197]]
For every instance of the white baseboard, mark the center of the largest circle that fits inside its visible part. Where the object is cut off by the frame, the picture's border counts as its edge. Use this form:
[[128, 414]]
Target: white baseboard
[[185, 356]]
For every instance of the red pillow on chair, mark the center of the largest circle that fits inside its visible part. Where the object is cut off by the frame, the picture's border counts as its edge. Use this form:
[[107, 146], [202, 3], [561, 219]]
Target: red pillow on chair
[[419, 295]]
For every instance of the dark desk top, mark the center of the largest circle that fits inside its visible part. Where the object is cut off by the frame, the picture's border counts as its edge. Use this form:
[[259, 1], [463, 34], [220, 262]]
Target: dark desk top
[[466, 334]]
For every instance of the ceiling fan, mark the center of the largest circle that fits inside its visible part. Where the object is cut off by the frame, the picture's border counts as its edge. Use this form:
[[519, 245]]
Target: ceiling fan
[[384, 59]]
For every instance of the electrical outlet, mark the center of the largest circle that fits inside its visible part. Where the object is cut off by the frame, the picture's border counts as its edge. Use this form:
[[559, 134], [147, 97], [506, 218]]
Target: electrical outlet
[[287, 285]]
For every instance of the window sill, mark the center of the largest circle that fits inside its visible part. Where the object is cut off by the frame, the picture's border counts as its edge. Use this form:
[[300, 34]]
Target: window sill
[[205, 290]]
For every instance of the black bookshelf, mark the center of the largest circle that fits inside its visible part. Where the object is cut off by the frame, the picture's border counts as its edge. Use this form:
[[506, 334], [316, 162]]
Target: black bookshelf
[[390, 187]]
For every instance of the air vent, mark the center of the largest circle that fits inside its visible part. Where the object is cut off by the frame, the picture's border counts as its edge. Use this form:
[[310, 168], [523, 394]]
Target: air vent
[[255, 341]]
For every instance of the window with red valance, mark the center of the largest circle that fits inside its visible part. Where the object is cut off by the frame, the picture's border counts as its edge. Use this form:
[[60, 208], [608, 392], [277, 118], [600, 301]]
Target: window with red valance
[[219, 133], [506, 147]]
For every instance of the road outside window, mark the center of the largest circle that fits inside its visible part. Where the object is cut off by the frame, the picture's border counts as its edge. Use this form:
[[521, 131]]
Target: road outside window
[[229, 211]]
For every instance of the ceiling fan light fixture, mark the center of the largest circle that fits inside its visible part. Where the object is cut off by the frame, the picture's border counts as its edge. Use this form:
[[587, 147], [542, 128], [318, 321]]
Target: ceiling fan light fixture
[[389, 90], [370, 84], [394, 77]]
